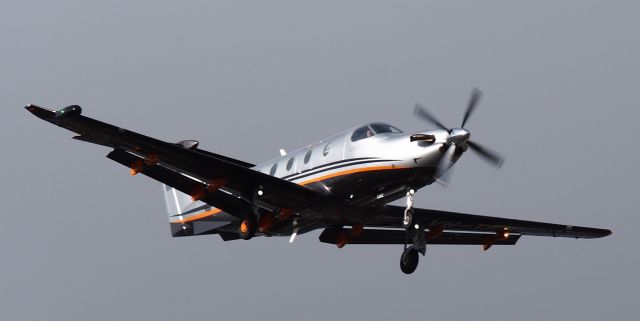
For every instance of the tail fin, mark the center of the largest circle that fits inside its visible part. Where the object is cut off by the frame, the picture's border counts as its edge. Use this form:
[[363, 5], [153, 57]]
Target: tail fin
[[188, 217], [179, 203]]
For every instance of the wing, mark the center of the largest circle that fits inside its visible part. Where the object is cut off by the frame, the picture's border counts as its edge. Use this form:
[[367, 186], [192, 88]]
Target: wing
[[451, 221], [222, 200], [234, 185]]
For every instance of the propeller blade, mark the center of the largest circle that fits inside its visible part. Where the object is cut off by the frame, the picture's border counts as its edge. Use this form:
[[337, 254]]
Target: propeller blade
[[443, 172], [422, 112], [473, 102], [492, 157]]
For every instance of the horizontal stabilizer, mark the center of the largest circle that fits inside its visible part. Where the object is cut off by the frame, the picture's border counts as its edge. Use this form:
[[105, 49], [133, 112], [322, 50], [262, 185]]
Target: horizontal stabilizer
[[229, 236]]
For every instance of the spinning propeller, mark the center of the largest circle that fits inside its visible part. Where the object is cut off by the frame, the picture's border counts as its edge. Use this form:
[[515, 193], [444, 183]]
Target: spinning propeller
[[458, 139]]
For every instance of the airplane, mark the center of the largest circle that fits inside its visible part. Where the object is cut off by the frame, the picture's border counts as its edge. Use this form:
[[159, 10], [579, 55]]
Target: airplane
[[342, 184]]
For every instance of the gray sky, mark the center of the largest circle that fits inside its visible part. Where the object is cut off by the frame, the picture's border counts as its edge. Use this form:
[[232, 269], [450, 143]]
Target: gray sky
[[82, 240]]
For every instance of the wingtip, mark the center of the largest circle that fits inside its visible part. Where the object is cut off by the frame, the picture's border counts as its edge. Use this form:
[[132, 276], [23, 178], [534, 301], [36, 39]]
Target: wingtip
[[598, 233], [40, 112]]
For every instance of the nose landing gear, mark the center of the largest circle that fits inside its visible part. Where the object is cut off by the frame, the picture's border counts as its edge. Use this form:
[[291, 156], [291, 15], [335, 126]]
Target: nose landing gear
[[409, 259], [407, 220]]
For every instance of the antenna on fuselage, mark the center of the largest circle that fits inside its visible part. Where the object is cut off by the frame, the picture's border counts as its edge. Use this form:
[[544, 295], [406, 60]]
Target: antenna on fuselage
[[283, 152]]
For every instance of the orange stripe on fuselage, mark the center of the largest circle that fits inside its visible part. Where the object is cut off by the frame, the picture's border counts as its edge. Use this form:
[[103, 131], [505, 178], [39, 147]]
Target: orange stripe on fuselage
[[199, 216], [351, 171]]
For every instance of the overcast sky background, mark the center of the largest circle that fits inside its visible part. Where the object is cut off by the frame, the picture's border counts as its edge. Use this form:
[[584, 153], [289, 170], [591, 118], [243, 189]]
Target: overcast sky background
[[82, 240]]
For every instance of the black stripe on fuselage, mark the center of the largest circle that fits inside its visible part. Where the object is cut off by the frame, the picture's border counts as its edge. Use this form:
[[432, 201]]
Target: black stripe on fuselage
[[321, 169], [325, 165]]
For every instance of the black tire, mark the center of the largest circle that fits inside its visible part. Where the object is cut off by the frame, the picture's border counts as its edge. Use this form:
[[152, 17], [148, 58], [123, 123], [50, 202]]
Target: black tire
[[409, 260], [247, 228], [407, 220]]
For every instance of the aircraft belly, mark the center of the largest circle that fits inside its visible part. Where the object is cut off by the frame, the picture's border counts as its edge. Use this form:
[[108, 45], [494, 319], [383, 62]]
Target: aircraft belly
[[373, 185]]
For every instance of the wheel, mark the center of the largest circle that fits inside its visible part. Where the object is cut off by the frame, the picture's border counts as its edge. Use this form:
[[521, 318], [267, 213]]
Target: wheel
[[409, 260], [407, 220], [247, 228]]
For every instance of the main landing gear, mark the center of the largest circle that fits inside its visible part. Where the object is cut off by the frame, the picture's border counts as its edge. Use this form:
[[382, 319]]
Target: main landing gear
[[409, 259]]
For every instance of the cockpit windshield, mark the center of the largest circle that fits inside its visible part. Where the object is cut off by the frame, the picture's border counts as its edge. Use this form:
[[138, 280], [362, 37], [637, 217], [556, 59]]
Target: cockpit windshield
[[369, 130], [384, 128], [362, 133]]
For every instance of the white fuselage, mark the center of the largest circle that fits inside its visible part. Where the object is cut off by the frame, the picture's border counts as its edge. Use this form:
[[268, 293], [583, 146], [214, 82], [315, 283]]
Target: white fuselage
[[339, 156]]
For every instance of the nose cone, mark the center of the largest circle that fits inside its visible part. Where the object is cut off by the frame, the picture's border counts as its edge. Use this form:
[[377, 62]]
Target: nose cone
[[459, 136]]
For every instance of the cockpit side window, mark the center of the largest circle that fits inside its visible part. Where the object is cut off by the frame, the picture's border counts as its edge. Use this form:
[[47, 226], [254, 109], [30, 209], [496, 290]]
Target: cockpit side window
[[384, 128], [362, 133]]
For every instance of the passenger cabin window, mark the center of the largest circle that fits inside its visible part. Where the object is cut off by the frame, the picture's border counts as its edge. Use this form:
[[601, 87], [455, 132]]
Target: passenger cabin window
[[361, 133], [273, 169], [290, 164], [307, 157], [381, 128]]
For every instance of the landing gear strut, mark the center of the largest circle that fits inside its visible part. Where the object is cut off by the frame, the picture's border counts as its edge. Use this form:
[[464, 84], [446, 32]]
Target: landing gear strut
[[409, 259], [407, 220]]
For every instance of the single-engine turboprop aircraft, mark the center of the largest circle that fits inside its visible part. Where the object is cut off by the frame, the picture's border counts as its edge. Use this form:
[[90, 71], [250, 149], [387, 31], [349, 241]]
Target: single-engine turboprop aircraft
[[341, 184]]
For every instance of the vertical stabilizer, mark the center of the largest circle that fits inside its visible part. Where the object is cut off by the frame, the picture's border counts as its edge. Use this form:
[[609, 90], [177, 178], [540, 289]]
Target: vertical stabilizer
[[188, 217], [179, 203]]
